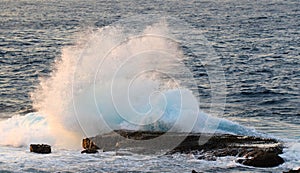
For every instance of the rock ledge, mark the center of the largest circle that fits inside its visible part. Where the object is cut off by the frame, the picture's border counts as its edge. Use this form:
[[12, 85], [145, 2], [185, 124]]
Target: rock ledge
[[40, 148], [249, 150]]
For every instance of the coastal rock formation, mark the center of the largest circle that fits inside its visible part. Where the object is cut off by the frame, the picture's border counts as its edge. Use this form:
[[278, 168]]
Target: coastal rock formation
[[89, 146], [40, 148], [262, 158], [255, 151]]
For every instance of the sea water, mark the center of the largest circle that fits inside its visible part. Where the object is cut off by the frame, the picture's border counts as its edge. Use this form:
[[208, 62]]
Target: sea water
[[71, 70]]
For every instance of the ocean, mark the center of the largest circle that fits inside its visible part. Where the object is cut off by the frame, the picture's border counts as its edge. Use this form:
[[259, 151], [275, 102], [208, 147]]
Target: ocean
[[75, 69]]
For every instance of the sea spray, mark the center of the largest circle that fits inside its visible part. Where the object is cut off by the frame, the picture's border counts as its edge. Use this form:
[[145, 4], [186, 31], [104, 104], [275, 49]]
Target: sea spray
[[19, 130], [83, 96], [114, 79]]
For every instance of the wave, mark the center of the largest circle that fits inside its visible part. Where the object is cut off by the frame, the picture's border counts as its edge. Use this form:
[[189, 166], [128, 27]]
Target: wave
[[112, 79], [20, 131]]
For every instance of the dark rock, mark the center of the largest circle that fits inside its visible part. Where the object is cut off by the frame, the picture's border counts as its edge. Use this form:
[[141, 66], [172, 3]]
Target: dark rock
[[262, 158], [88, 144], [89, 151], [258, 152], [293, 171], [193, 171], [40, 148]]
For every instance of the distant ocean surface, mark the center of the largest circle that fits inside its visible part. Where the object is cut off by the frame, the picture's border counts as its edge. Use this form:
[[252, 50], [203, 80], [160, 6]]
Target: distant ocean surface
[[257, 42]]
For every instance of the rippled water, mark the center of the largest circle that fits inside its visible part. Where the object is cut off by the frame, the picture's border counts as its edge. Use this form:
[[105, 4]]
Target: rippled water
[[73, 161], [258, 44]]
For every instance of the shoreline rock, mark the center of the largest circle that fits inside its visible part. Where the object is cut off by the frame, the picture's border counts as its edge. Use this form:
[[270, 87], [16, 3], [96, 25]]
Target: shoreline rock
[[89, 151], [256, 151], [40, 148], [89, 146], [261, 158]]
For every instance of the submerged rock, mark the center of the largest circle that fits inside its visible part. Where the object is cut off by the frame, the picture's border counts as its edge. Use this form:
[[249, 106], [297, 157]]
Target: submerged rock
[[40, 148], [256, 151]]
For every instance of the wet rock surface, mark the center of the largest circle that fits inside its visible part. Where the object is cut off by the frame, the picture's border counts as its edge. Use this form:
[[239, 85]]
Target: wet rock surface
[[262, 158], [40, 148], [89, 151], [250, 151], [89, 146]]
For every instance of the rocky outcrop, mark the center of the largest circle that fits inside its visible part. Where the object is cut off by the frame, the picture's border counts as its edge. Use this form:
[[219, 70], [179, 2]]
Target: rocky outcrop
[[89, 146], [251, 151], [40, 148], [257, 157]]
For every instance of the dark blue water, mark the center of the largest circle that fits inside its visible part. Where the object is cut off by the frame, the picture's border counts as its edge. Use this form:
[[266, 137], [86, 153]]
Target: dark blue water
[[258, 43]]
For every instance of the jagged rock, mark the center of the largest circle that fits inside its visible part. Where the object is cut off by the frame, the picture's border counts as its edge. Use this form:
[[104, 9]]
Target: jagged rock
[[88, 144], [89, 151], [262, 158], [258, 152], [40, 148]]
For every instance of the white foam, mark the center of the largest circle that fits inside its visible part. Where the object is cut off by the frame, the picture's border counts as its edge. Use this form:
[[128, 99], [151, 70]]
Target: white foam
[[109, 80]]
